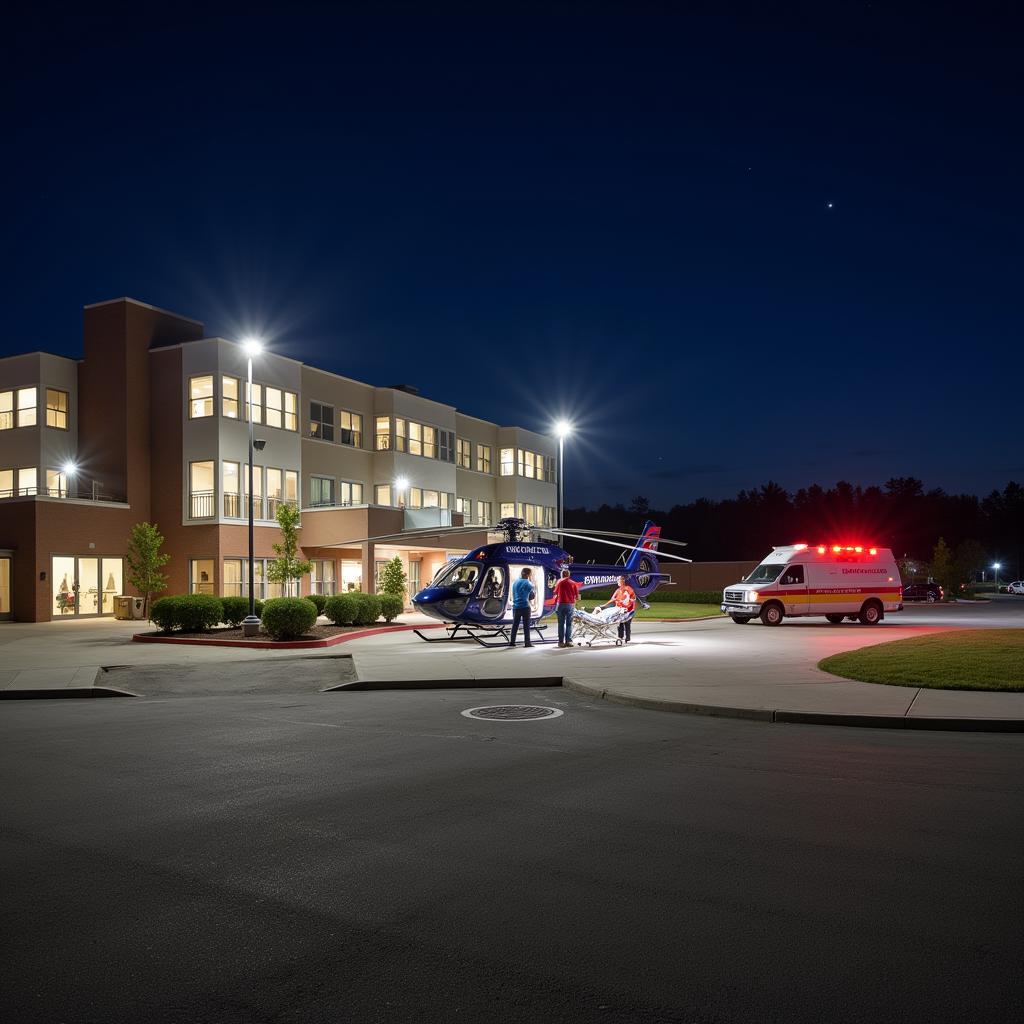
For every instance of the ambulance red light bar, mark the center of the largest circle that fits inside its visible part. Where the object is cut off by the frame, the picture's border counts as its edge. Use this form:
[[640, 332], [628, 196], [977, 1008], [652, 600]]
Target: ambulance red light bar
[[838, 549]]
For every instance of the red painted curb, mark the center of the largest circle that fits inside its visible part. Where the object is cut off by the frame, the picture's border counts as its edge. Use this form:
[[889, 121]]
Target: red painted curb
[[278, 645]]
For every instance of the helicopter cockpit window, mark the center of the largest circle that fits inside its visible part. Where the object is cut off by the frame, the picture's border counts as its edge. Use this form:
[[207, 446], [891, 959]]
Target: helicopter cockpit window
[[461, 577], [493, 585]]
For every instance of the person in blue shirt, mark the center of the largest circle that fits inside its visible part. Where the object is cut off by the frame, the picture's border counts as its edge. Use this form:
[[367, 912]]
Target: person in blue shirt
[[522, 595]]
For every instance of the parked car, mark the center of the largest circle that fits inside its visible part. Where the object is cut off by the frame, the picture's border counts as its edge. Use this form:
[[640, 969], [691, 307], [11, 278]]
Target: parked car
[[1015, 588], [930, 592]]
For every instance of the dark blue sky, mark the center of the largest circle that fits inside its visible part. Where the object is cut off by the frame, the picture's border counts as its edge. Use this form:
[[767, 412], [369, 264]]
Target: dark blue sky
[[622, 217]]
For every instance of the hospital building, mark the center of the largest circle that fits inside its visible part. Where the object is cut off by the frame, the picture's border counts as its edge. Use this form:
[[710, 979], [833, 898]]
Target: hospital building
[[150, 425]]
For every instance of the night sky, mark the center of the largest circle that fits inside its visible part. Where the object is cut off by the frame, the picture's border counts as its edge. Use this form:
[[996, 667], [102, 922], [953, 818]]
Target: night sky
[[731, 246]]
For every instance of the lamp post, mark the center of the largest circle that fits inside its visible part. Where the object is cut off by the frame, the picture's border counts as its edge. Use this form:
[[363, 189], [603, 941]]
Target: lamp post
[[563, 428], [70, 468], [251, 623], [996, 566], [401, 485]]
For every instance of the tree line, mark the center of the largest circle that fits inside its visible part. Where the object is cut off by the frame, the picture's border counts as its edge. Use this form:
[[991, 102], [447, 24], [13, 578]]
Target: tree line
[[901, 515]]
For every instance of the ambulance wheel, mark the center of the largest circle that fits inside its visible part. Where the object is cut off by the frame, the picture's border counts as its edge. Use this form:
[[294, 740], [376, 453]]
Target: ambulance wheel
[[740, 620], [871, 613], [771, 614], [835, 619]]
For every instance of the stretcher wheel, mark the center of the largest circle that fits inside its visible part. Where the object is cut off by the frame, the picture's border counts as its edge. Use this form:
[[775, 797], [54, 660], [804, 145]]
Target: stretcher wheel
[[618, 643]]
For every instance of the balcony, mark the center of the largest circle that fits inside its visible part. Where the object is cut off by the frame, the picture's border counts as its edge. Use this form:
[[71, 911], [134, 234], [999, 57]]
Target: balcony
[[232, 506], [202, 505]]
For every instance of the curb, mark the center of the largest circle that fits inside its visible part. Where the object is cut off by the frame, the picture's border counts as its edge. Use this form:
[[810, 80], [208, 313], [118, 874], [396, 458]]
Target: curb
[[274, 645], [781, 717], [66, 691], [446, 684]]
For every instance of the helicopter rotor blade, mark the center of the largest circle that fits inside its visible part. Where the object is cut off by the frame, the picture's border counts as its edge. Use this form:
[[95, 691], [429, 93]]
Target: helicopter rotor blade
[[625, 547], [429, 531], [609, 533]]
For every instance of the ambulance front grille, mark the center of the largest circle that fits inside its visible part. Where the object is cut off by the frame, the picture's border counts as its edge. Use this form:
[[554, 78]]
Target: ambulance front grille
[[734, 595]]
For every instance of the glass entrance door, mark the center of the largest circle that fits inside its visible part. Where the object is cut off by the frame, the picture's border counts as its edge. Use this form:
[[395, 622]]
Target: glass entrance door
[[85, 585], [5, 586]]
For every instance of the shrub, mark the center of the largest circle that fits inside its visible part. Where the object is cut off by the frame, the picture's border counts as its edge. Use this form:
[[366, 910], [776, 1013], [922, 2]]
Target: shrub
[[286, 618], [235, 609], [164, 613], [199, 612], [367, 609], [391, 606], [342, 608], [319, 600]]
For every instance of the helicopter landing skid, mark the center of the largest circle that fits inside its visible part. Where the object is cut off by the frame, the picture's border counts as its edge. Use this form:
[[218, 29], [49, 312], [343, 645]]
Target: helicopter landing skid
[[452, 634], [489, 639]]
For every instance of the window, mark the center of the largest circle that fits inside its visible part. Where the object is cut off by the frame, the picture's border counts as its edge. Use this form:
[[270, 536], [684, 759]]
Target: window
[[291, 486], [229, 397], [465, 507], [400, 432], [257, 490], [24, 400], [200, 576], [321, 491], [794, 574], [321, 577], [291, 411], [27, 481], [6, 410], [508, 509], [351, 429], [445, 445], [275, 491], [321, 421], [508, 464], [257, 403], [57, 409], [200, 397], [231, 486], [351, 493], [382, 494], [430, 442], [274, 410], [351, 575], [537, 515], [56, 483], [6, 483], [483, 513], [483, 458], [462, 458], [415, 438], [534, 466], [383, 434], [231, 579], [201, 490]]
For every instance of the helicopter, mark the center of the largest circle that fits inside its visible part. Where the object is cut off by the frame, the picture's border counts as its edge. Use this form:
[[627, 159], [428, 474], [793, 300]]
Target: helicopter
[[472, 594]]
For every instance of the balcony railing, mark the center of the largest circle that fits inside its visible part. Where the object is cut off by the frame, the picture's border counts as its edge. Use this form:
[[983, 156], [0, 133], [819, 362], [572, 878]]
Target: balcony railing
[[201, 505], [58, 492], [232, 506], [262, 508]]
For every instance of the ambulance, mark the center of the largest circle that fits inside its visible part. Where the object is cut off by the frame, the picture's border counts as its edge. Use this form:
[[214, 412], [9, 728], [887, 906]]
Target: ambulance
[[839, 581]]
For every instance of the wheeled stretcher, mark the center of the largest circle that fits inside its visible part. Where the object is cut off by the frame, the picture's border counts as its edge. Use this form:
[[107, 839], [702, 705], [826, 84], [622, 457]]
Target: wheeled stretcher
[[598, 625]]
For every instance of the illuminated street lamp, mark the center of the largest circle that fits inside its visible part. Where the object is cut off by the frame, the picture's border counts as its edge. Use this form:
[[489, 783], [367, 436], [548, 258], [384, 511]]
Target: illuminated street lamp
[[563, 428], [70, 469], [251, 623], [997, 566], [401, 486]]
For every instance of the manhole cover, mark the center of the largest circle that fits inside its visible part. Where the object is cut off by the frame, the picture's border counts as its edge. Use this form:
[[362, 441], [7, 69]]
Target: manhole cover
[[512, 712]]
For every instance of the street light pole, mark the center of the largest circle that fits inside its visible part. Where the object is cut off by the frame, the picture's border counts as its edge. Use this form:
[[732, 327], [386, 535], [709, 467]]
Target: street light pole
[[563, 428], [251, 624], [996, 566]]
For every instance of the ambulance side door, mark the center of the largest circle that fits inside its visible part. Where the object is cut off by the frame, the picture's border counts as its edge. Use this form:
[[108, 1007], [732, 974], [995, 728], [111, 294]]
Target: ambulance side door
[[793, 584]]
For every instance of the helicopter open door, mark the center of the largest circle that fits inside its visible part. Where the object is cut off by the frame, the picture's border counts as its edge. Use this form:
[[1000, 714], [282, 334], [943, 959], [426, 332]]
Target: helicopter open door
[[537, 579]]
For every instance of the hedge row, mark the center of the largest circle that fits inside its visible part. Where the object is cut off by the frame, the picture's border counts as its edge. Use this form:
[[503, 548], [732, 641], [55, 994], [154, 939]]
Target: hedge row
[[357, 609], [668, 595]]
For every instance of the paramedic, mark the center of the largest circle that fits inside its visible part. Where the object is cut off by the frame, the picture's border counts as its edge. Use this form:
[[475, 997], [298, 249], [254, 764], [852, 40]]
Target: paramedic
[[624, 598], [522, 595], [567, 594]]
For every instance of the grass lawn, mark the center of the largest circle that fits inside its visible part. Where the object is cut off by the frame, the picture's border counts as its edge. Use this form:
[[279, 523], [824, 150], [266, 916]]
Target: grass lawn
[[963, 659], [677, 610]]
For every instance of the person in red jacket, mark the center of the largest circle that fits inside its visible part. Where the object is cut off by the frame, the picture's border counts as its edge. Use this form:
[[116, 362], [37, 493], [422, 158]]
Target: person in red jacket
[[625, 599], [567, 594]]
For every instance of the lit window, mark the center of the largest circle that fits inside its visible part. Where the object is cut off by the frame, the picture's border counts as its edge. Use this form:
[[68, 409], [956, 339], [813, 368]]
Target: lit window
[[351, 429], [415, 499], [6, 483], [351, 493], [464, 506], [200, 576], [321, 421], [56, 483], [321, 491], [201, 490], [27, 407], [483, 513], [383, 437], [291, 411], [463, 457], [229, 397], [291, 486], [231, 486], [27, 481], [430, 442], [508, 464], [275, 491], [483, 458], [273, 417], [6, 410], [400, 438], [415, 438], [257, 403], [56, 408], [231, 581], [382, 494], [508, 509], [200, 397]]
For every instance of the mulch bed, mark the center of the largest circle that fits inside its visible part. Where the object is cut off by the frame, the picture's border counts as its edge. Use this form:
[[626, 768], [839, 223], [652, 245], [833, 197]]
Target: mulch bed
[[318, 632]]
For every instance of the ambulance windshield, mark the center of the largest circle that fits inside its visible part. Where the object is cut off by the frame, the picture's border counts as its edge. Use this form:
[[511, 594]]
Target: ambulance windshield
[[766, 572]]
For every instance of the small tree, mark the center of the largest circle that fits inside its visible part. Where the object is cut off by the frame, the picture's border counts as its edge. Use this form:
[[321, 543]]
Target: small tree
[[287, 567], [969, 556], [393, 578], [942, 570], [145, 560]]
